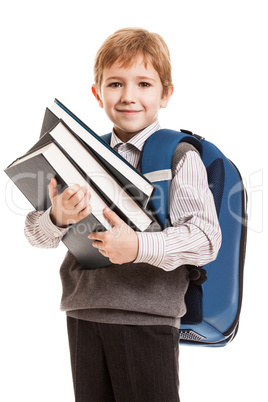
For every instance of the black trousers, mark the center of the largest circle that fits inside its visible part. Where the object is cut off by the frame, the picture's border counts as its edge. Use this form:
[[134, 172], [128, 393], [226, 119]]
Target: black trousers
[[123, 363]]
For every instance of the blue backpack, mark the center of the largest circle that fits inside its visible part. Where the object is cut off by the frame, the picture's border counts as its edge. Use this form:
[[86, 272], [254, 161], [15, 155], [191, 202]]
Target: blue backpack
[[214, 295]]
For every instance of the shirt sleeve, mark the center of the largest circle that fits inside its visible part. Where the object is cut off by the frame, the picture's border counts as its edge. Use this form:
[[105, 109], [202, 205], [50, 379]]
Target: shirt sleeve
[[40, 230], [195, 236]]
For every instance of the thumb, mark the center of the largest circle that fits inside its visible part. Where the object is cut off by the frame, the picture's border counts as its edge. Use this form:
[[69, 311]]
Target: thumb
[[112, 216], [52, 188]]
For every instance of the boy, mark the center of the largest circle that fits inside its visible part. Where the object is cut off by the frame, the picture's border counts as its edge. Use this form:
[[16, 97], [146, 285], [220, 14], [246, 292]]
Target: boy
[[123, 320]]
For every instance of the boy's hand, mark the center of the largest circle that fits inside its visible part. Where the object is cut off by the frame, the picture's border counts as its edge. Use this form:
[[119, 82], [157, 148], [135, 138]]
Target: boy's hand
[[69, 207], [120, 244]]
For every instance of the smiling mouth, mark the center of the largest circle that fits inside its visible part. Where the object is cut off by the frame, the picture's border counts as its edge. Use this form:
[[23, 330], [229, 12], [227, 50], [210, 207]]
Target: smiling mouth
[[129, 112]]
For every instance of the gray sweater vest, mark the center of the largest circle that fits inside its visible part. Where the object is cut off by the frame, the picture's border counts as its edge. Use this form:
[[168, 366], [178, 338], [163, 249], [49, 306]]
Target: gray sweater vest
[[137, 294]]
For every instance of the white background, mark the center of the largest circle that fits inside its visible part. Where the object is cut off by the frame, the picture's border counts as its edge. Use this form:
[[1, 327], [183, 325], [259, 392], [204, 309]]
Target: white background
[[219, 56]]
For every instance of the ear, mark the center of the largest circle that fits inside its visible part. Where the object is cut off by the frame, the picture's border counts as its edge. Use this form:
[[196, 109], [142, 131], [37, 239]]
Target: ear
[[166, 97], [97, 96]]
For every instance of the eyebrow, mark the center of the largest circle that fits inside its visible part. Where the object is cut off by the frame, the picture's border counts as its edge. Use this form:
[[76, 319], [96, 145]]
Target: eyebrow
[[139, 78], [113, 78], [146, 78]]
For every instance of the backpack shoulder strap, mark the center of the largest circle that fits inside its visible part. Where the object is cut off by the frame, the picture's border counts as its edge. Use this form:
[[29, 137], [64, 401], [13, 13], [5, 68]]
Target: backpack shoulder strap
[[159, 149], [156, 165], [181, 149]]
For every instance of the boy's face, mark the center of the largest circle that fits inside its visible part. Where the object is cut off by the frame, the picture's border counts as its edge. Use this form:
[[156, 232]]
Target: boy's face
[[131, 97]]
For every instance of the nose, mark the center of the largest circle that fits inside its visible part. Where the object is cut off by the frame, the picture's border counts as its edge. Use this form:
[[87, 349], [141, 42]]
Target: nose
[[128, 94]]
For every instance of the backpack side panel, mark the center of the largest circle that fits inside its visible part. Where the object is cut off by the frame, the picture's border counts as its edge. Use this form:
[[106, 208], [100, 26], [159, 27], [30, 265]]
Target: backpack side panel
[[222, 292]]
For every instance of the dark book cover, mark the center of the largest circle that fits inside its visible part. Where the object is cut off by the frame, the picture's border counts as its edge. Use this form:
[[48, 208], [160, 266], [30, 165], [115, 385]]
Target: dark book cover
[[32, 177]]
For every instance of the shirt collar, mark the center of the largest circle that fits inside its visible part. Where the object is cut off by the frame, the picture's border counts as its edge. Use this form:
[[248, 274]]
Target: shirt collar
[[139, 139]]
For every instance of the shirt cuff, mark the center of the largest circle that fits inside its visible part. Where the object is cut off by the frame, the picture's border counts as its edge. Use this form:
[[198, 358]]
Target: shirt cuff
[[48, 227], [151, 248]]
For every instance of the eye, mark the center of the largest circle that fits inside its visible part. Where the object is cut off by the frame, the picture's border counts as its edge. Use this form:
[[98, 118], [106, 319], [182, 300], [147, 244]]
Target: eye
[[144, 84], [115, 85]]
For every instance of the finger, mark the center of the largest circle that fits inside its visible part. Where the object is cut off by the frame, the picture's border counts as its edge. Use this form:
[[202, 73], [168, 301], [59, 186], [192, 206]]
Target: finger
[[85, 212], [99, 236], [83, 203], [112, 217], [81, 197], [104, 253], [70, 191], [52, 188], [98, 244], [74, 195]]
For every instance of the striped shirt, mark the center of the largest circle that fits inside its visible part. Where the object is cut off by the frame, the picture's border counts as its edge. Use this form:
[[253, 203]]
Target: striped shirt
[[194, 237]]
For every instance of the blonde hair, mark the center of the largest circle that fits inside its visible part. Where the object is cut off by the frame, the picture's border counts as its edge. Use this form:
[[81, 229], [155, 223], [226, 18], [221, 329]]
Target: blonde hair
[[125, 45]]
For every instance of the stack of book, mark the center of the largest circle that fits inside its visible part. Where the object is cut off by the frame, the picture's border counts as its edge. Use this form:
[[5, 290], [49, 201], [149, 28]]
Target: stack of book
[[72, 153]]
